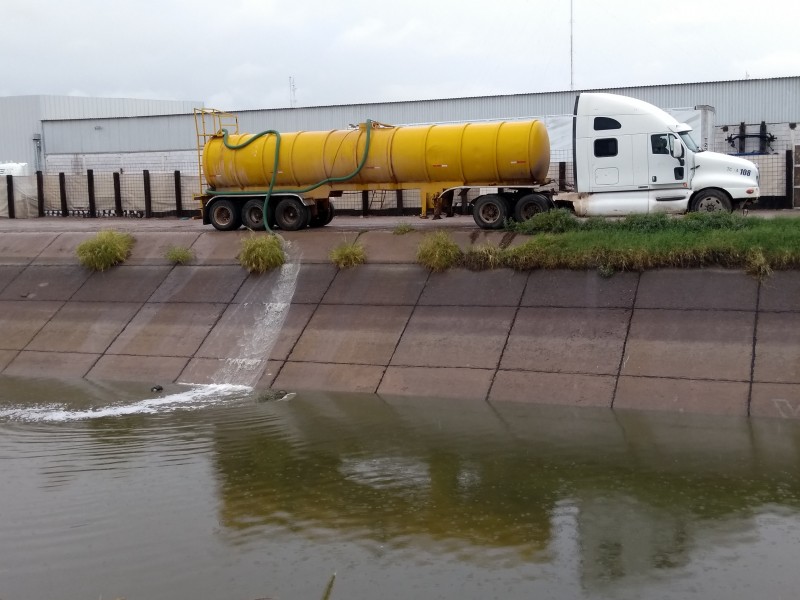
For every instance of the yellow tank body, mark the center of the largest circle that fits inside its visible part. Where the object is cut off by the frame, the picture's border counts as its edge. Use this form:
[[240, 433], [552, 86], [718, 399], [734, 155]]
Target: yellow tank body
[[482, 153]]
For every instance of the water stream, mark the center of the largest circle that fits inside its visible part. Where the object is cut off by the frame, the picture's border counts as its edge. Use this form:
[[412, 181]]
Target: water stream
[[262, 313]]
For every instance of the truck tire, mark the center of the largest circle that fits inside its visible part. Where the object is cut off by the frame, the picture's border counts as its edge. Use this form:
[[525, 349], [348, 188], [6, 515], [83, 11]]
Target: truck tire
[[530, 205], [253, 214], [324, 216], [291, 214], [224, 215], [711, 201], [490, 211], [331, 213]]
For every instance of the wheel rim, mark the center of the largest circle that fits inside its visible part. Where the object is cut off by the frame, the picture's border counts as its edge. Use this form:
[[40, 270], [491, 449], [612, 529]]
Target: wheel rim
[[291, 215], [255, 215], [529, 210], [490, 213], [710, 204], [223, 215]]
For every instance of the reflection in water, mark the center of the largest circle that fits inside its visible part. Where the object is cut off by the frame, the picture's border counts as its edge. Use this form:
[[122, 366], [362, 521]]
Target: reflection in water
[[497, 485], [402, 498]]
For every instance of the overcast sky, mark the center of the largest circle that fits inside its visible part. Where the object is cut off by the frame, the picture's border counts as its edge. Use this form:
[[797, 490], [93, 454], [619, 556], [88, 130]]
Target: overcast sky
[[238, 54]]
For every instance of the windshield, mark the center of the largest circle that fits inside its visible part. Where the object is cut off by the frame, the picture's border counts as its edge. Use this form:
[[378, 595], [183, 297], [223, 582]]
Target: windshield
[[687, 138]]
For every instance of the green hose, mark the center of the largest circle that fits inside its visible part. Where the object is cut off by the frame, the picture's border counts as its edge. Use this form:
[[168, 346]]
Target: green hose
[[277, 135]]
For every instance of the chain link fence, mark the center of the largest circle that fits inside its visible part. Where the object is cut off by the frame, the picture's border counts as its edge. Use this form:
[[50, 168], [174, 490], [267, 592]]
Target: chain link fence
[[99, 194], [111, 190]]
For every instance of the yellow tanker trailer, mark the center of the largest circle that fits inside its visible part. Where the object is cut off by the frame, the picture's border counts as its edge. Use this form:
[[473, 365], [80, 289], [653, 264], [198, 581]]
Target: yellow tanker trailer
[[295, 175]]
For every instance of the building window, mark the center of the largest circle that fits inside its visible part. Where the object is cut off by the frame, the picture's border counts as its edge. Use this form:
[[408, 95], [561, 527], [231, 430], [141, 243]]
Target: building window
[[605, 147], [604, 123]]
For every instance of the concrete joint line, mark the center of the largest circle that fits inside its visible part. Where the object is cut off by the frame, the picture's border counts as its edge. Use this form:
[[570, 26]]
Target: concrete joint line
[[310, 318], [508, 336], [213, 325], [622, 359], [672, 378], [753, 350], [402, 333], [133, 316]]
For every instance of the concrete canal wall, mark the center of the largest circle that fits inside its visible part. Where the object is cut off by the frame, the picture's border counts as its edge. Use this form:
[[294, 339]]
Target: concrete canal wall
[[711, 341]]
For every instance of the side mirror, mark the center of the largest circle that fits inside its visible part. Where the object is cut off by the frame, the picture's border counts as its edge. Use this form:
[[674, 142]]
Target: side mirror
[[675, 148]]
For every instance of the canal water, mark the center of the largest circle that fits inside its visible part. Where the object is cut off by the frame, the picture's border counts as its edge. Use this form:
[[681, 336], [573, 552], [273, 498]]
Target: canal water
[[224, 493]]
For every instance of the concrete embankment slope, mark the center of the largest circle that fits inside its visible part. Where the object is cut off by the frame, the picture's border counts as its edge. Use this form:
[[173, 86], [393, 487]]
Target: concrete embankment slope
[[711, 341]]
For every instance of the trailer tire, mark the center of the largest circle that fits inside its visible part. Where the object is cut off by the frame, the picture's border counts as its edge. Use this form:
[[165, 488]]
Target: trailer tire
[[529, 206], [490, 211], [224, 215], [291, 214], [324, 216], [253, 214], [331, 213], [711, 201]]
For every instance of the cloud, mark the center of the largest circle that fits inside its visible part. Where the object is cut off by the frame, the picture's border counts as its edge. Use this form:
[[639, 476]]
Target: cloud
[[774, 64], [241, 55]]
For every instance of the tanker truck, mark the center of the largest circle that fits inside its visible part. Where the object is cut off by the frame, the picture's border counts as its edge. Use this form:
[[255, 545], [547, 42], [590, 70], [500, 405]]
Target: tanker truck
[[628, 156]]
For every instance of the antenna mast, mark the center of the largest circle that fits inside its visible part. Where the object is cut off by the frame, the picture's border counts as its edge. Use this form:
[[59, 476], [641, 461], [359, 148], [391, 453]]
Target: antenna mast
[[292, 93], [571, 70]]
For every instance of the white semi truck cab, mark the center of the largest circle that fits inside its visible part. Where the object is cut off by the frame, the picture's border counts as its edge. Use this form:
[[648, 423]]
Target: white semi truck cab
[[632, 157]]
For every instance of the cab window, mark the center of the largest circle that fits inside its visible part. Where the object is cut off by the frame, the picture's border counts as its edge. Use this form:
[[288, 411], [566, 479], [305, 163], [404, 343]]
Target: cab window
[[604, 123], [660, 143], [605, 147]]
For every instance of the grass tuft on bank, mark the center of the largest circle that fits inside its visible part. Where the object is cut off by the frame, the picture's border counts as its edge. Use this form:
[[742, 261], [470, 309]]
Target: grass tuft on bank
[[104, 250], [261, 253], [439, 252], [348, 254], [636, 243], [179, 255], [403, 228]]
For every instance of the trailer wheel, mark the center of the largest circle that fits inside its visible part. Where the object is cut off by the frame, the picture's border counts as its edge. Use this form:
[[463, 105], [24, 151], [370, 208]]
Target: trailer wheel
[[712, 201], [253, 214], [291, 214], [330, 214], [530, 205], [224, 215], [324, 216], [490, 211]]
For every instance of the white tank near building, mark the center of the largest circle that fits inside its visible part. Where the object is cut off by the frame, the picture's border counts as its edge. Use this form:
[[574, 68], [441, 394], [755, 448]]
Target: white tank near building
[[14, 168]]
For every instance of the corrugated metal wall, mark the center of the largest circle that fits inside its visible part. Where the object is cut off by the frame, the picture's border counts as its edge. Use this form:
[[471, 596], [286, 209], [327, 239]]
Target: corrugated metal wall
[[19, 120], [77, 107], [752, 101], [774, 100], [135, 134], [22, 116]]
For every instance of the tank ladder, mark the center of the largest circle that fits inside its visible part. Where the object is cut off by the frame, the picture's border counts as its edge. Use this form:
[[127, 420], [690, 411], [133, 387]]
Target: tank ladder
[[208, 123]]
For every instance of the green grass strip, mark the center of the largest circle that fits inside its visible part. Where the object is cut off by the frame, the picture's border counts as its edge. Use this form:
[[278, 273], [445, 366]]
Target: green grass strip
[[637, 243]]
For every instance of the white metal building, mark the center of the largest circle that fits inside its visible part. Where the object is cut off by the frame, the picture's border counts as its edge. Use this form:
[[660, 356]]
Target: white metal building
[[70, 135], [22, 119]]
